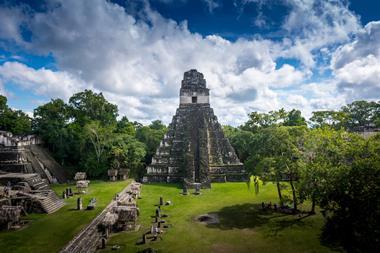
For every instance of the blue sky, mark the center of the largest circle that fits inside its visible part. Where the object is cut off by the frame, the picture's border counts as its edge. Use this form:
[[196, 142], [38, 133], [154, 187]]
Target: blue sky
[[255, 54]]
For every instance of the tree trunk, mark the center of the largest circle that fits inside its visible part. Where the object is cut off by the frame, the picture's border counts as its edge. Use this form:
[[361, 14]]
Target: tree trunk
[[294, 196], [279, 193], [312, 211]]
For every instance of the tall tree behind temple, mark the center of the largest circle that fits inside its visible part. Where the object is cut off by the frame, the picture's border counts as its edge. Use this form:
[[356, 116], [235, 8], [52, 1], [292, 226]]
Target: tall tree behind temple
[[151, 136], [125, 126], [240, 140], [87, 106], [50, 122]]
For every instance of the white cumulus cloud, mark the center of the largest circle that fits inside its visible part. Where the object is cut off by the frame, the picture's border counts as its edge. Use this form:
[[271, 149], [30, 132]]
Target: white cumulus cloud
[[137, 60]]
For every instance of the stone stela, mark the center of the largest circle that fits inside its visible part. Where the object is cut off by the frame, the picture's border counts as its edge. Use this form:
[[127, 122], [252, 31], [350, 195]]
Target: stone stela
[[195, 150]]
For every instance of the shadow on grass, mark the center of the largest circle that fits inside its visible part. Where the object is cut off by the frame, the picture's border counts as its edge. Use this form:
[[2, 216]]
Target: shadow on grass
[[288, 222], [251, 215], [243, 216]]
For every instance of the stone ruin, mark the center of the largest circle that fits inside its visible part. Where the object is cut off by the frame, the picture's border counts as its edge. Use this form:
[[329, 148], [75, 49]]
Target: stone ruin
[[26, 170], [10, 216], [112, 174], [81, 182], [123, 174], [195, 150], [121, 214], [115, 174], [25, 154], [28, 192]]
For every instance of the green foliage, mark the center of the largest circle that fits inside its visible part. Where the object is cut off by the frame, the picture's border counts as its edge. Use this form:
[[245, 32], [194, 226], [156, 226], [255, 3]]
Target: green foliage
[[14, 121], [86, 136], [257, 120], [89, 106], [335, 120], [276, 156], [240, 140], [128, 152], [49, 123], [338, 171], [357, 116], [351, 200], [124, 126], [361, 114], [3, 104], [326, 165], [151, 136], [294, 118]]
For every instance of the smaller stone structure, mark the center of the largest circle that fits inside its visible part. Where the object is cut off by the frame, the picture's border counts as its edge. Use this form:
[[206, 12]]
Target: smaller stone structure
[[123, 174], [10, 216], [112, 173], [81, 182], [120, 174], [28, 191], [80, 176]]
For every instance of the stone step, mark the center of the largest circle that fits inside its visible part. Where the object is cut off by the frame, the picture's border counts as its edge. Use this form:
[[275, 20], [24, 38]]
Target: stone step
[[51, 203]]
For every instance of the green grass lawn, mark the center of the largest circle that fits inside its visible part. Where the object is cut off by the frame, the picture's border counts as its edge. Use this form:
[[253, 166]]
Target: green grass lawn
[[49, 233], [243, 227]]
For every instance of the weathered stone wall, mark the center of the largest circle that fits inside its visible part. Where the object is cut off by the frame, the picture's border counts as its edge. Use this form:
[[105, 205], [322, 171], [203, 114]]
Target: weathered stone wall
[[31, 159]]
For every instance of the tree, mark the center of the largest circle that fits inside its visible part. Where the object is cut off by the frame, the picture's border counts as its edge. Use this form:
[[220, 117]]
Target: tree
[[276, 156], [99, 137], [361, 115], [50, 121], [258, 120], [89, 106], [321, 152], [333, 119], [3, 104], [124, 126], [129, 152], [294, 118], [151, 136], [357, 116], [157, 125], [240, 141], [352, 204], [15, 121]]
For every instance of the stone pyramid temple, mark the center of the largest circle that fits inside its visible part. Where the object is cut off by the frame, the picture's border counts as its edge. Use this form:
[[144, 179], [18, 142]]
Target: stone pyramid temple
[[195, 150]]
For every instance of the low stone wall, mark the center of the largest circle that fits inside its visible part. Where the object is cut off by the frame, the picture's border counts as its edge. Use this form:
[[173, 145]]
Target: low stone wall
[[90, 238]]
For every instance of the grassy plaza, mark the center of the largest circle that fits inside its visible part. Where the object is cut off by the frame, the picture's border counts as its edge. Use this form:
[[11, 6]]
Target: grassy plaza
[[243, 226]]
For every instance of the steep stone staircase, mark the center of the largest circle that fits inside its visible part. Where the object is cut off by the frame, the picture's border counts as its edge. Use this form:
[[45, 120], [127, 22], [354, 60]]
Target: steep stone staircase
[[51, 203], [48, 200]]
